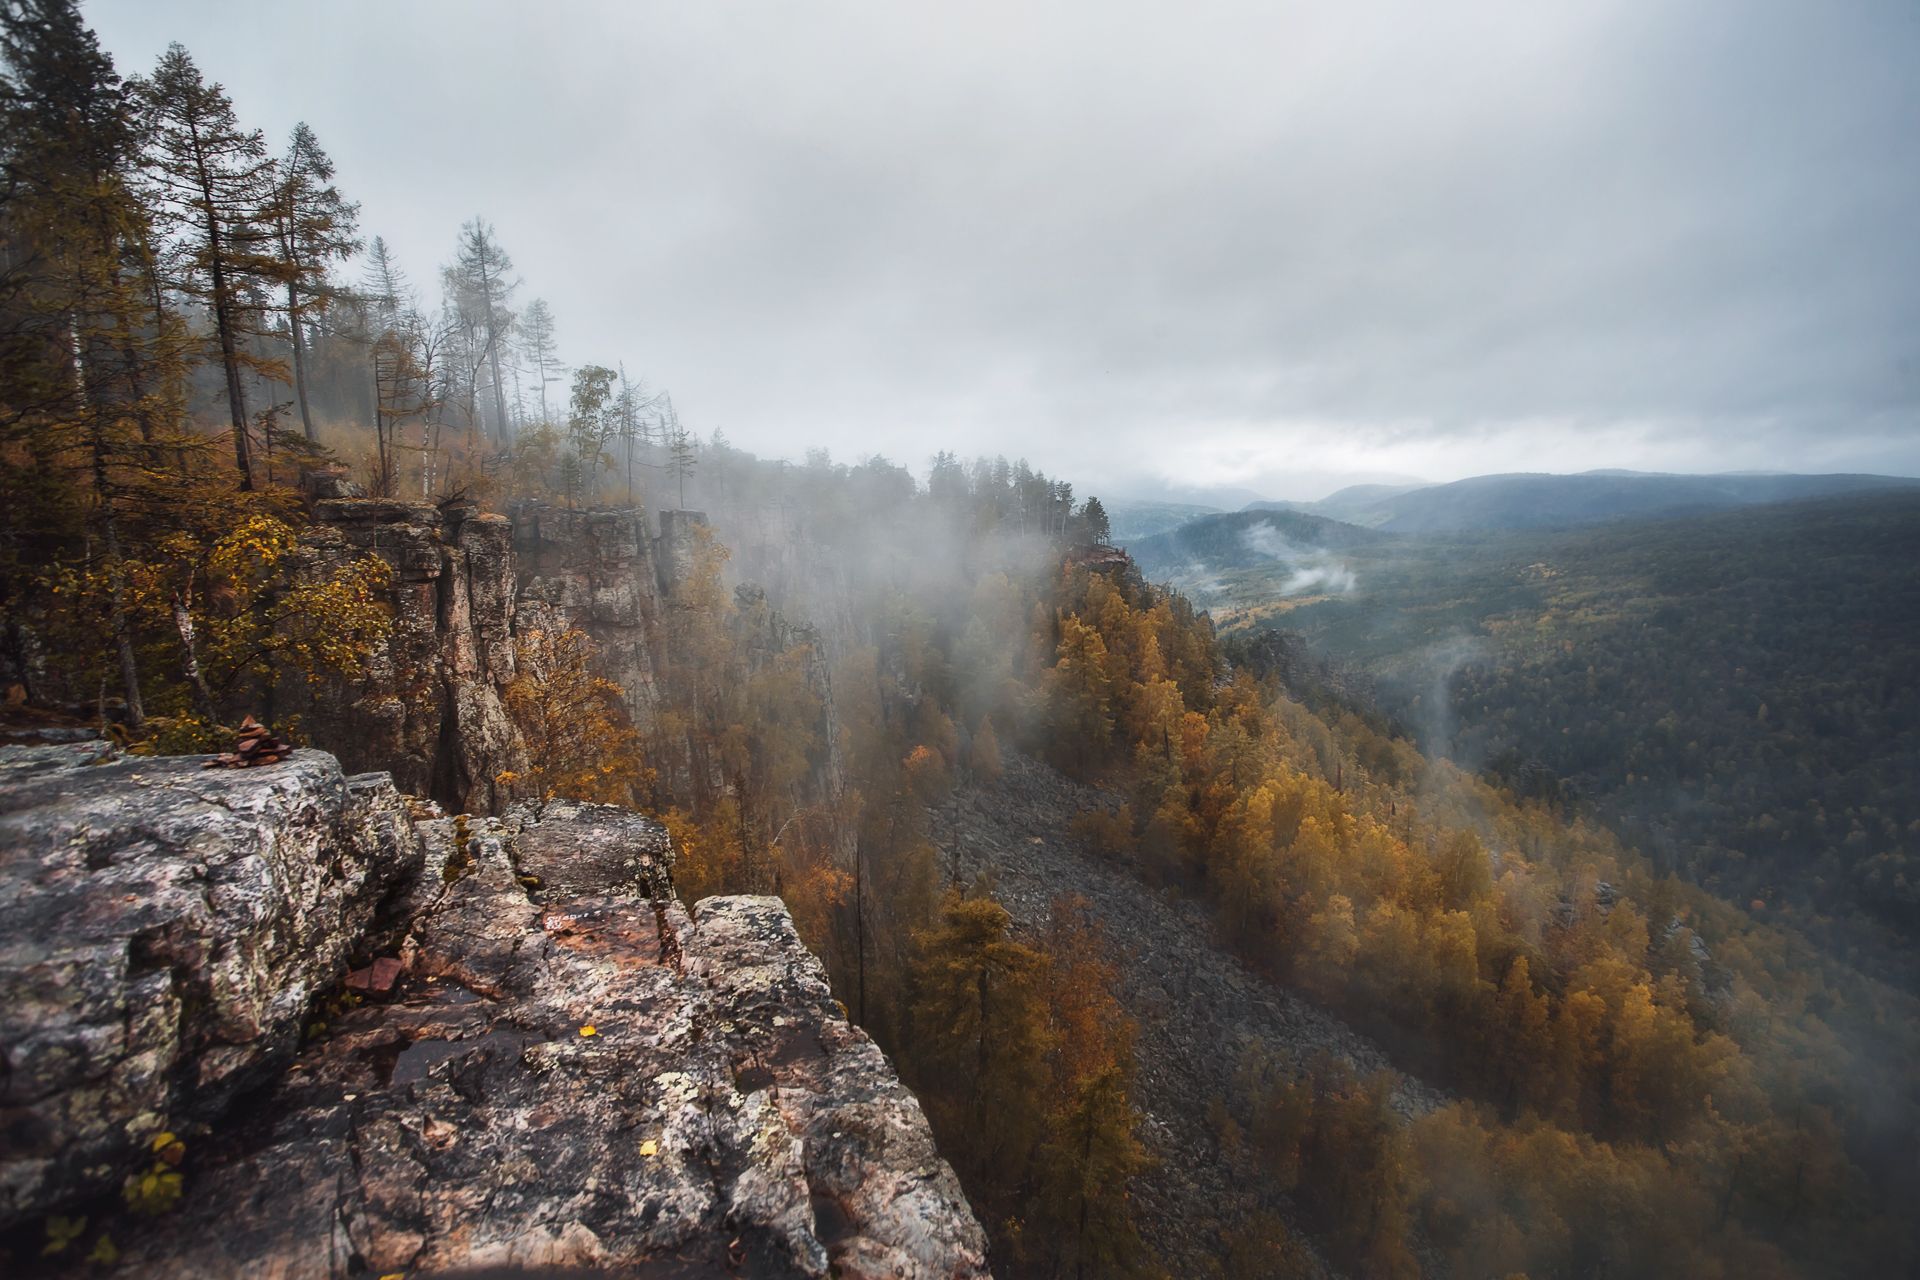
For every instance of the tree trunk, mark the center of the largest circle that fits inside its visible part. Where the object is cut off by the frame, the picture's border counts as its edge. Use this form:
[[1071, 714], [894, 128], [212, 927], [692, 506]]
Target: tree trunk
[[223, 321], [860, 928], [493, 352], [116, 574], [380, 428], [299, 361], [190, 664]]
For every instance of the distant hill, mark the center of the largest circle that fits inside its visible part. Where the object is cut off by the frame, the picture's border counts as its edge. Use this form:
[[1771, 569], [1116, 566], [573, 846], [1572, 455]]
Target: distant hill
[[1510, 501], [1245, 540], [1363, 504], [1132, 521], [1525, 501]]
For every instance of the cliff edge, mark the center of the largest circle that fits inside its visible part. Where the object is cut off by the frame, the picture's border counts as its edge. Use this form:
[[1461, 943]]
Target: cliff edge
[[392, 1042]]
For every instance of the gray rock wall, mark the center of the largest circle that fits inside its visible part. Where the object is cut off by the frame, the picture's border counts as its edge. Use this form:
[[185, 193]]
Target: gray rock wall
[[595, 570], [163, 930], [464, 586], [428, 709]]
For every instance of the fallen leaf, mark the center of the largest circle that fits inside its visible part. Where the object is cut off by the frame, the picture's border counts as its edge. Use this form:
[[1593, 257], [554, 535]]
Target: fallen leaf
[[649, 1148], [589, 1030]]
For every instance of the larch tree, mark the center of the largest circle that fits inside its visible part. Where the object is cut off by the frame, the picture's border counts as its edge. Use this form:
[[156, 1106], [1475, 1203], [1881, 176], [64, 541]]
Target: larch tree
[[981, 1040], [315, 226], [592, 421], [541, 348], [384, 287], [402, 346], [683, 451], [579, 743], [632, 407], [212, 185], [480, 283]]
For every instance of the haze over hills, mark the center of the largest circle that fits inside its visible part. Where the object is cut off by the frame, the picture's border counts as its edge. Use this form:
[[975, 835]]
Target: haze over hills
[[1733, 689], [1355, 503], [1247, 540], [1131, 520], [1541, 501], [1523, 501]]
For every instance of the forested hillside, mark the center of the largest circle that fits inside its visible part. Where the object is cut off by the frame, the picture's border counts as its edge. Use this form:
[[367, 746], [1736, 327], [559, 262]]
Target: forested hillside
[[1646, 1080], [1556, 502], [1736, 692]]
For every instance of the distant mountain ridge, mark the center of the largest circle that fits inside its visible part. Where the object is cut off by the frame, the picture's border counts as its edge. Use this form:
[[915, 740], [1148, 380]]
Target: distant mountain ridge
[[1530, 500], [1243, 539], [1130, 520]]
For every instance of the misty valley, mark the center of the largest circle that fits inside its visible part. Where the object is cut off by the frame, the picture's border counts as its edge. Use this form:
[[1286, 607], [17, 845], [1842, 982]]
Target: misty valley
[[507, 770]]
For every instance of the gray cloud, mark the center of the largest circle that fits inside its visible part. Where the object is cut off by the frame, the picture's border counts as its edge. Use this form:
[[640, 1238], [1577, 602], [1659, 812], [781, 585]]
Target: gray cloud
[[1268, 245]]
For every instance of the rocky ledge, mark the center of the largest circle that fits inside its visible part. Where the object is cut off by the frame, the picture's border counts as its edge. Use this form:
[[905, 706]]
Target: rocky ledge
[[396, 1044]]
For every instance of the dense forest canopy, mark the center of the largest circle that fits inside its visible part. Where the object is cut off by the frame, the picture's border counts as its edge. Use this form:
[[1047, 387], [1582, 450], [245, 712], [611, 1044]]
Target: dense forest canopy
[[1634, 1077]]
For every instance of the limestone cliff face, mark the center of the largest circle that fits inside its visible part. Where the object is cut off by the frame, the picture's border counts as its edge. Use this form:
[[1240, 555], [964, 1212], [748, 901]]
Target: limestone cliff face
[[464, 586], [595, 570], [429, 708], [554, 1064]]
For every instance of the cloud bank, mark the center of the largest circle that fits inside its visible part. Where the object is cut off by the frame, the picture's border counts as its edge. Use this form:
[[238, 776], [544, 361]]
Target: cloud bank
[[1273, 246]]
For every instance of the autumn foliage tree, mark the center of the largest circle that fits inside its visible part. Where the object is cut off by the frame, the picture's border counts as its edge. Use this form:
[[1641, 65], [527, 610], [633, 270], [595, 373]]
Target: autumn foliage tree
[[578, 742]]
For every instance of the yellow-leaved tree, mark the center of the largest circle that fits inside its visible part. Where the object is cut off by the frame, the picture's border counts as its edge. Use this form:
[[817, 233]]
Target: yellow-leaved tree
[[579, 742], [222, 610]]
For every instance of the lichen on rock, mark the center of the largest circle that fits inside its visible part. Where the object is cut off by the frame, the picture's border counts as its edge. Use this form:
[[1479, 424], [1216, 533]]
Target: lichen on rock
[[571, 1071]]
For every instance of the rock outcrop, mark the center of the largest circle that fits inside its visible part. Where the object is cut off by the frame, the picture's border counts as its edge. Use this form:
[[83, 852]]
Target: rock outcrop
[[464, 586], [163, 930], [569, 1071], [428, 709], [595, 570]]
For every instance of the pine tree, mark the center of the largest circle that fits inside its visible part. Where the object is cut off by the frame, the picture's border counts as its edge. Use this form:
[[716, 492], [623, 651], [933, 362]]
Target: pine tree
[[537, 340], [213, 183], [91, 379], [314, 225], [1094, 523], [480, 287]]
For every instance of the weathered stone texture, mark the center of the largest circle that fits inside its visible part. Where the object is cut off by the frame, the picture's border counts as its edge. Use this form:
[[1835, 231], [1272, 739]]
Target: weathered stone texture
[[163, 928], [428, 709], [595, 570], [571, 1072]]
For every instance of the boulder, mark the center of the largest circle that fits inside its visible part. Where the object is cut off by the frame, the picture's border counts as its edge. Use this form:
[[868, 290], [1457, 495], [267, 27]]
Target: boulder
[[163, 929], [528, 1058]]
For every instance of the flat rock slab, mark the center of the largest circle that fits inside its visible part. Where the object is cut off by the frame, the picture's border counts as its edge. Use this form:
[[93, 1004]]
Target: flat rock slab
[[578, 1077], [163, 929]]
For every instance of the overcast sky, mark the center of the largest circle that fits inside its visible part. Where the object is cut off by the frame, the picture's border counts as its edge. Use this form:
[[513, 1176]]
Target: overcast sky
[[1274, 246]]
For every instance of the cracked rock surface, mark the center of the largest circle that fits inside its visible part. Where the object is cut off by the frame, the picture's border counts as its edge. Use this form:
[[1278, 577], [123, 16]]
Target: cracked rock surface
[[572, 1074], [163, 928]]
